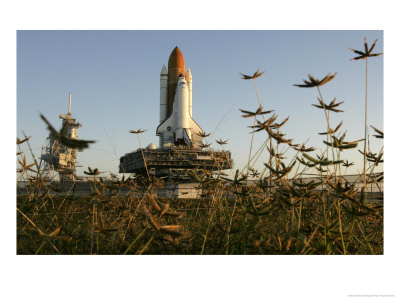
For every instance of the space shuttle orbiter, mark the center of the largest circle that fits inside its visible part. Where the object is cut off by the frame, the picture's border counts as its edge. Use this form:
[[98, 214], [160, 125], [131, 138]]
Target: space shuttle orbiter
[[177, 126]]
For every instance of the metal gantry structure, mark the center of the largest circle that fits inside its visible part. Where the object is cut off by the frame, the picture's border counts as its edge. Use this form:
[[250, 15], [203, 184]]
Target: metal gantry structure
[[57, 158]]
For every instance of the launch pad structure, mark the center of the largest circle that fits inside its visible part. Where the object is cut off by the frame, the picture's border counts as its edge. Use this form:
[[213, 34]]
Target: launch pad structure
[[57, 158], [181, 150]]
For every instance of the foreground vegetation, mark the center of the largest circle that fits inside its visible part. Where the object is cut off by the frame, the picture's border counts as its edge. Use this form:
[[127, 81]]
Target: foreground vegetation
[[278, 212], [292, 220]]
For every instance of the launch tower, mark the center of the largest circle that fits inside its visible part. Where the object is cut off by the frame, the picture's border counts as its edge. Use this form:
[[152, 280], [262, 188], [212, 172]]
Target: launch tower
[[59, 158], [180, 137]]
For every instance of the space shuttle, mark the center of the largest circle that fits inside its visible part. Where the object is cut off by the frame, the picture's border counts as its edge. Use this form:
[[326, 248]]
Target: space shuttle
[[177, 126]]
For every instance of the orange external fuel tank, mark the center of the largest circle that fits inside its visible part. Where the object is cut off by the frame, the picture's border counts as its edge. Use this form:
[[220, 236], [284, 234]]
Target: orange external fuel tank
[[176, 66]]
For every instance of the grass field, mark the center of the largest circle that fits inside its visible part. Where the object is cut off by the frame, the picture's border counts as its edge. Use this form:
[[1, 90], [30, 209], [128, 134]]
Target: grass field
[[249, 223]]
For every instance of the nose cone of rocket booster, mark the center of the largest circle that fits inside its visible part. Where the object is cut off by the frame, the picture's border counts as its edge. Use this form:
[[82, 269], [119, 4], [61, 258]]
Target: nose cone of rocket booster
[[176, 66], [164, 70], [188, 75]]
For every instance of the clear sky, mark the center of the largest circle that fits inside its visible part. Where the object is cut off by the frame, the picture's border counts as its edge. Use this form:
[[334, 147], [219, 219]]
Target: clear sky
[[114, 80]]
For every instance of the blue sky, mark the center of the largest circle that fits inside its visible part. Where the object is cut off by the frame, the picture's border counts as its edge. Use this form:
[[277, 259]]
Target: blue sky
[[114, 80]]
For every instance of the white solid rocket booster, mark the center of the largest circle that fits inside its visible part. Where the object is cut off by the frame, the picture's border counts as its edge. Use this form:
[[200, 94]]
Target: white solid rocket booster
[[163, 93], [189, 85]]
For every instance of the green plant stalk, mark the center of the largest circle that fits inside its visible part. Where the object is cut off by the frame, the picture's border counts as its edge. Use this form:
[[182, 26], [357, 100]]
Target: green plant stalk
[[147, 245], [244, 234], [335, 168], [98, 245], [323, 200], [365, 238], [276, 151], [229, 227], [204, 242], [329, 134], [350, 229], [299, 221], [257, 153], [356, 239], [270, 140], [92, 232], [309, 241], [372, 172], [208, 228], [340, 224], [40, 247], [294, 158], [292, 217], [338, 158], [325, 223], [144, 159], [251, 144], [365, 124], [134, 213], [135, 240], [255, 117]]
